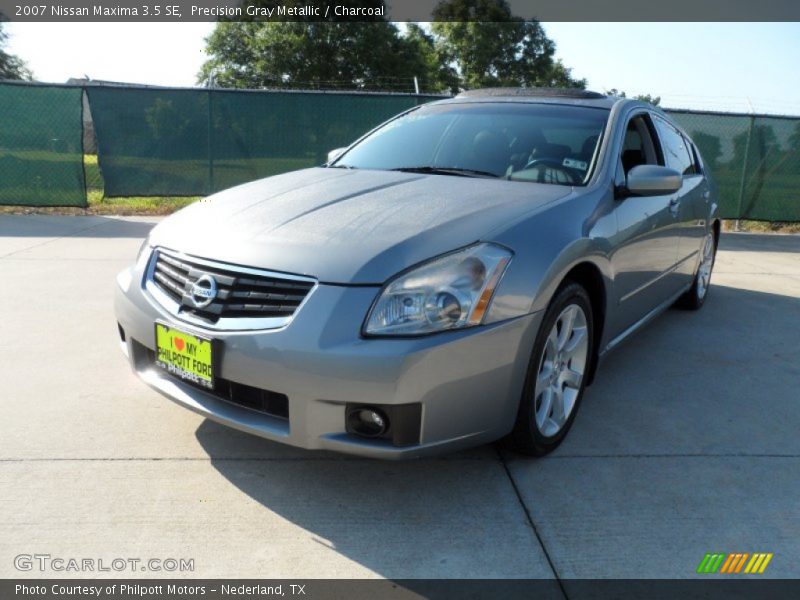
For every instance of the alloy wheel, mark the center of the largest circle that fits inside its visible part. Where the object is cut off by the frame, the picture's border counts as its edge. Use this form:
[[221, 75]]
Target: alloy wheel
[[706, 264], [561, 370]]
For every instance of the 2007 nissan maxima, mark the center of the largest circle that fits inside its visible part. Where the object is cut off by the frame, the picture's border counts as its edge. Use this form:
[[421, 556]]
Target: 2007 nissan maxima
[[449, 279]]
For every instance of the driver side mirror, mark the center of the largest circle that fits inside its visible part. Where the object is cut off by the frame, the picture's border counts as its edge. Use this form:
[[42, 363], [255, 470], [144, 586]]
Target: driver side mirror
[[652, 180], [336, 153]]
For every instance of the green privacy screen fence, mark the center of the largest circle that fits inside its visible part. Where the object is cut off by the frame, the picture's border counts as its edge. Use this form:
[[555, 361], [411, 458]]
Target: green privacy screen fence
[[755, 161], [185, 142], [41, 146]]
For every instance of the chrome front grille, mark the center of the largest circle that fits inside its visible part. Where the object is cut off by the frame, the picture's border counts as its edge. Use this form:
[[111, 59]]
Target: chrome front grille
[[224, 296]]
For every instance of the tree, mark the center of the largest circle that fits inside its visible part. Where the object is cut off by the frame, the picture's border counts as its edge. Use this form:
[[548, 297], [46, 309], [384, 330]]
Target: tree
[[476, 43], [327, 54], [11, 67], [435, 73], [654, 100], [491, 47]]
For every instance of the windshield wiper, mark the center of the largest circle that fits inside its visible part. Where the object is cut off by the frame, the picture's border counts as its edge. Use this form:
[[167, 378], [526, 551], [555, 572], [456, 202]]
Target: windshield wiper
[[456, 171]]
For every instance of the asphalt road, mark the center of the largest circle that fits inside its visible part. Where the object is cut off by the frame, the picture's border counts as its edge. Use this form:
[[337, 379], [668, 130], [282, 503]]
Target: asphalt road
[[687, 443]]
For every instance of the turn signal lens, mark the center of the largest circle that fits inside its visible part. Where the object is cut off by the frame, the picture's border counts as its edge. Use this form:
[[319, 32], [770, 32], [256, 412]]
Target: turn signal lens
[[488, 291]]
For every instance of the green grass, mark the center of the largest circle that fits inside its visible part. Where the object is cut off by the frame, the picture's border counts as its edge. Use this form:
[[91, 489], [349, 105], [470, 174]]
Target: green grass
[[762, 226], [116, 206], [136, 205]]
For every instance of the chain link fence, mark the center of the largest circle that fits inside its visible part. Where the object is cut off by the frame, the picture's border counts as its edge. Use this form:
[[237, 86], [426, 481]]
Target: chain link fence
[[755, 161], [188, 142], [41, 146], [173, 142]]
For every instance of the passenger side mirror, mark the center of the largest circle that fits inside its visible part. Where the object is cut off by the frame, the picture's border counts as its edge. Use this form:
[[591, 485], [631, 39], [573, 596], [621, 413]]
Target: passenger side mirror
[[652, 180], [336, 153]]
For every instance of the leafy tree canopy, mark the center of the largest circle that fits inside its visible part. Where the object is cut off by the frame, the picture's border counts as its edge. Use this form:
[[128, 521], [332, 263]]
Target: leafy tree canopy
[[11, 67], [492, 47], [496, 48], [654, 100], [327, 54]]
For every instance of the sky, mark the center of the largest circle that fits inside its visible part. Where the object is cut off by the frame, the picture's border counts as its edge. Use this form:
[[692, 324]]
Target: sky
[[715, 66]]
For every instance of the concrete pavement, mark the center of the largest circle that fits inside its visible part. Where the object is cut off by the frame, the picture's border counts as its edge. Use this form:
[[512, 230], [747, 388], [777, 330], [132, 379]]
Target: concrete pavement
[[687, 443]]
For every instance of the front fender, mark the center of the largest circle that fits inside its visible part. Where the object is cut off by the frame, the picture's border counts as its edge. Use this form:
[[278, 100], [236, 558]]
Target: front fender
[[547, 246]]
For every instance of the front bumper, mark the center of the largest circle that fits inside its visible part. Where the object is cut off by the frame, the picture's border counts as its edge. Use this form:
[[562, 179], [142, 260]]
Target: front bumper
[[468, 382]]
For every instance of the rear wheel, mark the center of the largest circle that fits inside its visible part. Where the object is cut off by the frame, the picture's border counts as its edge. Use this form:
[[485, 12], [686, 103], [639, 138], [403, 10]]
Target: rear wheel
[[695, 296], [557, 373]]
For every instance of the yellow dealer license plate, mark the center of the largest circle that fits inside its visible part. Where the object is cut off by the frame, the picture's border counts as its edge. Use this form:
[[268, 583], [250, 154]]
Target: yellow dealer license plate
[[185, 355]]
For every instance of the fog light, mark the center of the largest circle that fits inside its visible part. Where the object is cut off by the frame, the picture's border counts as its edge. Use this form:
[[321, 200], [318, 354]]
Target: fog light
[[367, 422]]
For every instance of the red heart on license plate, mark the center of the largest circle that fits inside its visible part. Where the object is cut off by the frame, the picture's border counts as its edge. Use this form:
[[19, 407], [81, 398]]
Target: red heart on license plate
[[179, 344]]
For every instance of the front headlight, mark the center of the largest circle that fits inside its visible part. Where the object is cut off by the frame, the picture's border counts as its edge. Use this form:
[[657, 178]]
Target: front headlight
[[449, 292]]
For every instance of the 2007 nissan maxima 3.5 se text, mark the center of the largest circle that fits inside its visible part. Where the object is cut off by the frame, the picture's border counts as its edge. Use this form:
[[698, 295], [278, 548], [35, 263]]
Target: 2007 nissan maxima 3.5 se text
[[449, 279]]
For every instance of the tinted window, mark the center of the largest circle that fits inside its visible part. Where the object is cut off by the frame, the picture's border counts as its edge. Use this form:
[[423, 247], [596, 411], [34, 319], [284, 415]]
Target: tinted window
[[638, 148], [676, 152], [530, 142], [698, 163]]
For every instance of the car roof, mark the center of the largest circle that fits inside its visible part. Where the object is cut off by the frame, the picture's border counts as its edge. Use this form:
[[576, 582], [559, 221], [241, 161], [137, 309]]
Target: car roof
[[572, 96]]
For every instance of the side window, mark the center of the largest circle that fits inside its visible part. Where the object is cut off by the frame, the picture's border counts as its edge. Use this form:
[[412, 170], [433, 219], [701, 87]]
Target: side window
[[698, 162], [638, 147], [676, 151]]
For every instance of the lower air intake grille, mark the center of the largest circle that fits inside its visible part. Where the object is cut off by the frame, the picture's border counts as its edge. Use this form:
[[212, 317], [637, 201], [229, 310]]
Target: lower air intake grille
[[268, 402], [265, 401]]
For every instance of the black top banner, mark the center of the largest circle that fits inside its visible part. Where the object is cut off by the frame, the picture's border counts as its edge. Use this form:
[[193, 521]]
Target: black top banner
[[394, 10]]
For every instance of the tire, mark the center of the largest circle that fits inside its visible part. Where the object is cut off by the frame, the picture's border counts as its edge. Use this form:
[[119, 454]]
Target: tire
[[555, 364], [695, 296]]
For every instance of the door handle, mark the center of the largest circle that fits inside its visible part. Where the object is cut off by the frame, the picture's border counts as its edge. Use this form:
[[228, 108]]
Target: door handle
[[674, 204]]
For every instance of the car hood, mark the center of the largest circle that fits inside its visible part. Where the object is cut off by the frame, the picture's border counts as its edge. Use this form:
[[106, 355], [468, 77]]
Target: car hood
[[348, 226]]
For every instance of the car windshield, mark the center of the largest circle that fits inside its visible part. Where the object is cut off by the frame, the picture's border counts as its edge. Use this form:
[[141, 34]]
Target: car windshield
[[543, 143]]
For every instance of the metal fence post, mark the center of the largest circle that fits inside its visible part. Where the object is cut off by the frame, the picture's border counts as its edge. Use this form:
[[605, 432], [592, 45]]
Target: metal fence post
[[210, 88], [744, 171]]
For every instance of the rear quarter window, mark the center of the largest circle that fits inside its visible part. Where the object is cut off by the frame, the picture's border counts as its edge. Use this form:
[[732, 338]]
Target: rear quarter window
[[698, 161], [677, 154]]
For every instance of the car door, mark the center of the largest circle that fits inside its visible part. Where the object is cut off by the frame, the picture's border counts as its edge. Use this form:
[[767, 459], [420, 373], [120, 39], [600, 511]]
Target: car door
[[679, 155], [648, 236]]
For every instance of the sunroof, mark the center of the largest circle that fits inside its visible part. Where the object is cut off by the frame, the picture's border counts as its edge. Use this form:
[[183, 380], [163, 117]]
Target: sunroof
[[534, 91]]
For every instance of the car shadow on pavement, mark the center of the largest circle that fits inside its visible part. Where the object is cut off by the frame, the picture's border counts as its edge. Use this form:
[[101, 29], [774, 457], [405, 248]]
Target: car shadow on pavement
[[699, 382], [691, 384], [452, 516], [73, 226]]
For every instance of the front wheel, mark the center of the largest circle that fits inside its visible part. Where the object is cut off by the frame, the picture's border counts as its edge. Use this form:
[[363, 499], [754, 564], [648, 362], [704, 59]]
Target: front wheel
[[695, 296], [557, 373]]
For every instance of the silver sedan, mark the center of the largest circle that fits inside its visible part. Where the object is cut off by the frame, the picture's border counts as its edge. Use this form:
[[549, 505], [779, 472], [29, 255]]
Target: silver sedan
[[451, 278]]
